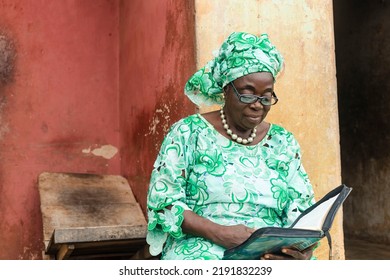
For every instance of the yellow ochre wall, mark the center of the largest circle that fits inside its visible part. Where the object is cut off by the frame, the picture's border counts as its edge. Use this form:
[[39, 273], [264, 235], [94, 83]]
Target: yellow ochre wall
[[302, 30]]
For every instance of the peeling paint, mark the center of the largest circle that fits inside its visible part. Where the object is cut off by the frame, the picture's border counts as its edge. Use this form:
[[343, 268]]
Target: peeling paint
[[4, 129], [27, 251], [161, 115], [105, 151]]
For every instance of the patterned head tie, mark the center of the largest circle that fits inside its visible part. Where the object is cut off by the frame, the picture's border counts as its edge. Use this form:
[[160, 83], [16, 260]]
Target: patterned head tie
[[241, 54]]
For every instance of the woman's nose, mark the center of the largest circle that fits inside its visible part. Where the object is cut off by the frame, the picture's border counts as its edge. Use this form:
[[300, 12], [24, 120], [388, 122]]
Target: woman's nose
[[257, 105]]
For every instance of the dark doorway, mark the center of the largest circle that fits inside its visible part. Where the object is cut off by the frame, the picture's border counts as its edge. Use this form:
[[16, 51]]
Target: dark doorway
[[362, 38]]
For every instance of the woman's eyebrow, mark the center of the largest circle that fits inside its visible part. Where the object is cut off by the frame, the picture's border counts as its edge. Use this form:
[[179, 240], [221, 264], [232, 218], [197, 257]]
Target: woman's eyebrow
[[253, 88]]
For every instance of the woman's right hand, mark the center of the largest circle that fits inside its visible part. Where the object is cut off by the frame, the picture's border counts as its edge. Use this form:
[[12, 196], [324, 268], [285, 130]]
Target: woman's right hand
[[231, 236], [225, 236]]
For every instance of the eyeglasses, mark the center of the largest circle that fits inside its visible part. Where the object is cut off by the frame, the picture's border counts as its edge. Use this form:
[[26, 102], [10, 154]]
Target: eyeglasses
[[251, 98]]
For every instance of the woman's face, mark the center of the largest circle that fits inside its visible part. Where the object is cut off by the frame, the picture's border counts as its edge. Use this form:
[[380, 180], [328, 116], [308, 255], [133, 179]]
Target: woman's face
[[243, 116]]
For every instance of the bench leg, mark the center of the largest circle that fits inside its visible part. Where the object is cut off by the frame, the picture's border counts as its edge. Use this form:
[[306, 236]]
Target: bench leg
[[64, 252]]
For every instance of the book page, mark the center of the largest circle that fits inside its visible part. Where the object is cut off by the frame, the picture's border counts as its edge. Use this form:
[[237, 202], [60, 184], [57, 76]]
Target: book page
[[314, 219]]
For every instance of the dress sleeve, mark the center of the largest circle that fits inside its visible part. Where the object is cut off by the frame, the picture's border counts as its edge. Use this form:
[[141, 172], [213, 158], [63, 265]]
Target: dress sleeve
[[299, 188], [166, 195]]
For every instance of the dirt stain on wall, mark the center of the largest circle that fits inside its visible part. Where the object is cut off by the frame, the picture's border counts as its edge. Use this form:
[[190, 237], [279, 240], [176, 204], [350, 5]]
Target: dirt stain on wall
[[7, 65], [7, 58]]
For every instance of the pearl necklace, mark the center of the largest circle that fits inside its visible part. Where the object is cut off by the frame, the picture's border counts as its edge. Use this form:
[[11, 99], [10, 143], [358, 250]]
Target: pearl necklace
[[234, 136]]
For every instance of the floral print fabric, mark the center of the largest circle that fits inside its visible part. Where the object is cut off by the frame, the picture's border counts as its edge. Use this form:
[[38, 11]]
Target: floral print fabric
[[240, 54], [200, 170]]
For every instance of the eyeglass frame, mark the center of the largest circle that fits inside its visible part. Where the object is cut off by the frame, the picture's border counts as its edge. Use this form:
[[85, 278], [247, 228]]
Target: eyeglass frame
[[258, 98]]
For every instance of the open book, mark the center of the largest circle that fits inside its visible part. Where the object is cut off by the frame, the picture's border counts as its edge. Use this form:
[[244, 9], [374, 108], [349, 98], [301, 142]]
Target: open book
[[311, 226]]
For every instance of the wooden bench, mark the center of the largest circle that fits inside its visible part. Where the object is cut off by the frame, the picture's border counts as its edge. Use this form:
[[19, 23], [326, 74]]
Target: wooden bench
[[87, 216]]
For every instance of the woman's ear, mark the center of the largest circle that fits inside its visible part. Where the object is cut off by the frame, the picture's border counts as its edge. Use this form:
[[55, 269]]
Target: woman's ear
[[225, 89]]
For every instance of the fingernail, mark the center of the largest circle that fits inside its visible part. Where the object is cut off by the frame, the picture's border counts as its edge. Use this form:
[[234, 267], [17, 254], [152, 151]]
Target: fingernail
[[284, 251]]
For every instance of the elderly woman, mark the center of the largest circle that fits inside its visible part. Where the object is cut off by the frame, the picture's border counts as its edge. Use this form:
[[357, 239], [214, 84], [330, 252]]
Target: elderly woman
[[223, 174]]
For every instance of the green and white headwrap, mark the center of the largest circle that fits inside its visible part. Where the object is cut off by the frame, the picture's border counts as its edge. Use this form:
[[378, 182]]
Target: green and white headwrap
[[241, 54]]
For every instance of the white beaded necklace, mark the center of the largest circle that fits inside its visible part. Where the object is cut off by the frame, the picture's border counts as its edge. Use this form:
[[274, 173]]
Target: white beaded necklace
[[235, 136]]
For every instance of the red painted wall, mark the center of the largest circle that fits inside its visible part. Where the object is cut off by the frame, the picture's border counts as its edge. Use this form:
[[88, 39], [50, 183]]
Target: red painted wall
[[157, 56], [61, 104], [87, 73]]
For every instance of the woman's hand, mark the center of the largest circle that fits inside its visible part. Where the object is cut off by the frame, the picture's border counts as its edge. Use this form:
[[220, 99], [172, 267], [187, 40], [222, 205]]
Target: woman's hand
[[231, 236], [225, 236], [291, 254]]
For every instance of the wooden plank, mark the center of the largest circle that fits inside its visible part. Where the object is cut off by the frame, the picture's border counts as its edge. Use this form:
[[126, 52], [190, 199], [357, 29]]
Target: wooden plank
[[103, 233], [84, 216], [76, 189]]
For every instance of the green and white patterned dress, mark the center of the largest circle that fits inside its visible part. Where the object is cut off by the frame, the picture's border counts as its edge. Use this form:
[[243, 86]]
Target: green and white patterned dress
[[228, 183]]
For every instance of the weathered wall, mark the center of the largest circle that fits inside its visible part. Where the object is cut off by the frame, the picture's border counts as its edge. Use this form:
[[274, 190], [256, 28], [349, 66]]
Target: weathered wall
[[67, 108], [58, 110], [362, 31], [303, 32], [156, 59]]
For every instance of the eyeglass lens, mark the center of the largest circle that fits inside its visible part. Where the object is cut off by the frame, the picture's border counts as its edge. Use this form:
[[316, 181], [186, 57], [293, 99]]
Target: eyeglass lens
[[265, 100], [250, 98]]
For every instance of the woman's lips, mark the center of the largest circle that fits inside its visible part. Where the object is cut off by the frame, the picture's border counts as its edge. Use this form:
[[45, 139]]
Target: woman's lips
[[254, 119]]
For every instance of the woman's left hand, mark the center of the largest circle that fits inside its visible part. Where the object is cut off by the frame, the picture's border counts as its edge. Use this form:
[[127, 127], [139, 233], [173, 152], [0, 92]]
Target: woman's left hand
[[291, 254]]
